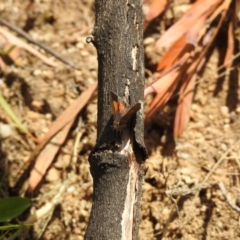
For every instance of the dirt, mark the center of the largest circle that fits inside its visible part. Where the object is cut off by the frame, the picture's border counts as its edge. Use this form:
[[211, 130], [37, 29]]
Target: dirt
[[191, 181]]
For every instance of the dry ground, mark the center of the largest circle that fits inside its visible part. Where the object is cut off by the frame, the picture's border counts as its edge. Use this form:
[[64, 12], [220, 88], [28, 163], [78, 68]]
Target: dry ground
[[185, 190]]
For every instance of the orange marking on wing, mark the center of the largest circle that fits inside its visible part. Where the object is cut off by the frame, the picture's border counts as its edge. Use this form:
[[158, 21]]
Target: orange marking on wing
[[115, 108], [121, 107]]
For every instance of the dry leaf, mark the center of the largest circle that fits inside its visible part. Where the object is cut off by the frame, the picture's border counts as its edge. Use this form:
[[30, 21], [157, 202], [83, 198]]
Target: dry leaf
[[65, 121], [183, 106], [18, 42], [46, 157], [174, 53], [156, 7], [230, 45], [200, 9]]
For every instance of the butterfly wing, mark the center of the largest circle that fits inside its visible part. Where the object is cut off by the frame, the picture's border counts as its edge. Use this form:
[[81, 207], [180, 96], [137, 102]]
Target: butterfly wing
[[121, 113], [127, 114], [114, 103]]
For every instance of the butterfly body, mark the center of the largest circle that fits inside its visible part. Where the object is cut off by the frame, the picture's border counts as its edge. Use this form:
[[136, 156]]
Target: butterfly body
[[122, 113]]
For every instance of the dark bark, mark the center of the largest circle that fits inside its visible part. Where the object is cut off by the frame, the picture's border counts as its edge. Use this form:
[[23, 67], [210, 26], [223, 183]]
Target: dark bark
[[117, 161]]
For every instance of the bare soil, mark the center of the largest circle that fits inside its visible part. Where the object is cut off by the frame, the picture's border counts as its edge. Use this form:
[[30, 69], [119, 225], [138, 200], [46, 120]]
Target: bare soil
[[191, 181]]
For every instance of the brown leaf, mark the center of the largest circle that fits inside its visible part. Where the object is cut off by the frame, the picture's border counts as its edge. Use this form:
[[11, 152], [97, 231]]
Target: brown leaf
[[18, 42], [186, 34], [70, 113], [156, 7], [166, 85], [230, 45], [175, 52], [220, 10], [183, 106], [200, 9], [194, 34], [46, 157], [186, 91], [65, 121], [159, 80], [172, 54]]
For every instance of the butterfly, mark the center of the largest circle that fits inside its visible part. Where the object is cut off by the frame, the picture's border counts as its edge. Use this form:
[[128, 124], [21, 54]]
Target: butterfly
[[121, 113]]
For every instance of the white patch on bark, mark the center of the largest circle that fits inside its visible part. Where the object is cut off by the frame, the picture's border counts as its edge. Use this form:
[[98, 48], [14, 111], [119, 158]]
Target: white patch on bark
[[127, 216], [134, 57]]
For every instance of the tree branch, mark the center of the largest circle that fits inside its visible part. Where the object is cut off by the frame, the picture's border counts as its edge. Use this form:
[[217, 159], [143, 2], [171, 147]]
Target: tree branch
[[116, 162]]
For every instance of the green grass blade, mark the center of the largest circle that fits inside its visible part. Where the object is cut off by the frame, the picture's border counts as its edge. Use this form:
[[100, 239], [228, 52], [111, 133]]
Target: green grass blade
[[8, 110]]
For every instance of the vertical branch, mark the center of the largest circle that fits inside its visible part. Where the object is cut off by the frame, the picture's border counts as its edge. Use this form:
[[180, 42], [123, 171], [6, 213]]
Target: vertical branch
[[116, 163]]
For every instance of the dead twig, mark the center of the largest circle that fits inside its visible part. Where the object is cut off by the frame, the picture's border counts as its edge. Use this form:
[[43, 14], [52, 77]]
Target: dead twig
[[181, 192], [196, 189], [217, 164], [41, 45]]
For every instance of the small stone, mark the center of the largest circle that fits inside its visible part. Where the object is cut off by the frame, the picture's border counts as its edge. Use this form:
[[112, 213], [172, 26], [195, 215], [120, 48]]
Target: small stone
[[71, 49], [55, 83], [32, 115], [188, 180], [37, 72], [74, 220], [165, 213], [71, 189], [163, 139], [227, 120], [238, 110], [60, 90], [37, 105], [186, 171], [5, 131], [233, 116], [224, 111], [84, 53], [2, 84], [148, 41], [183, 155], [53, 175], [44, 129], [211, 88], [226, 127], [224, 147], [209, 195], [195, 107], [63, 162], [80, 45], [173, 226], [48, 116], [220, 225], [211, 117], [49, 74]]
